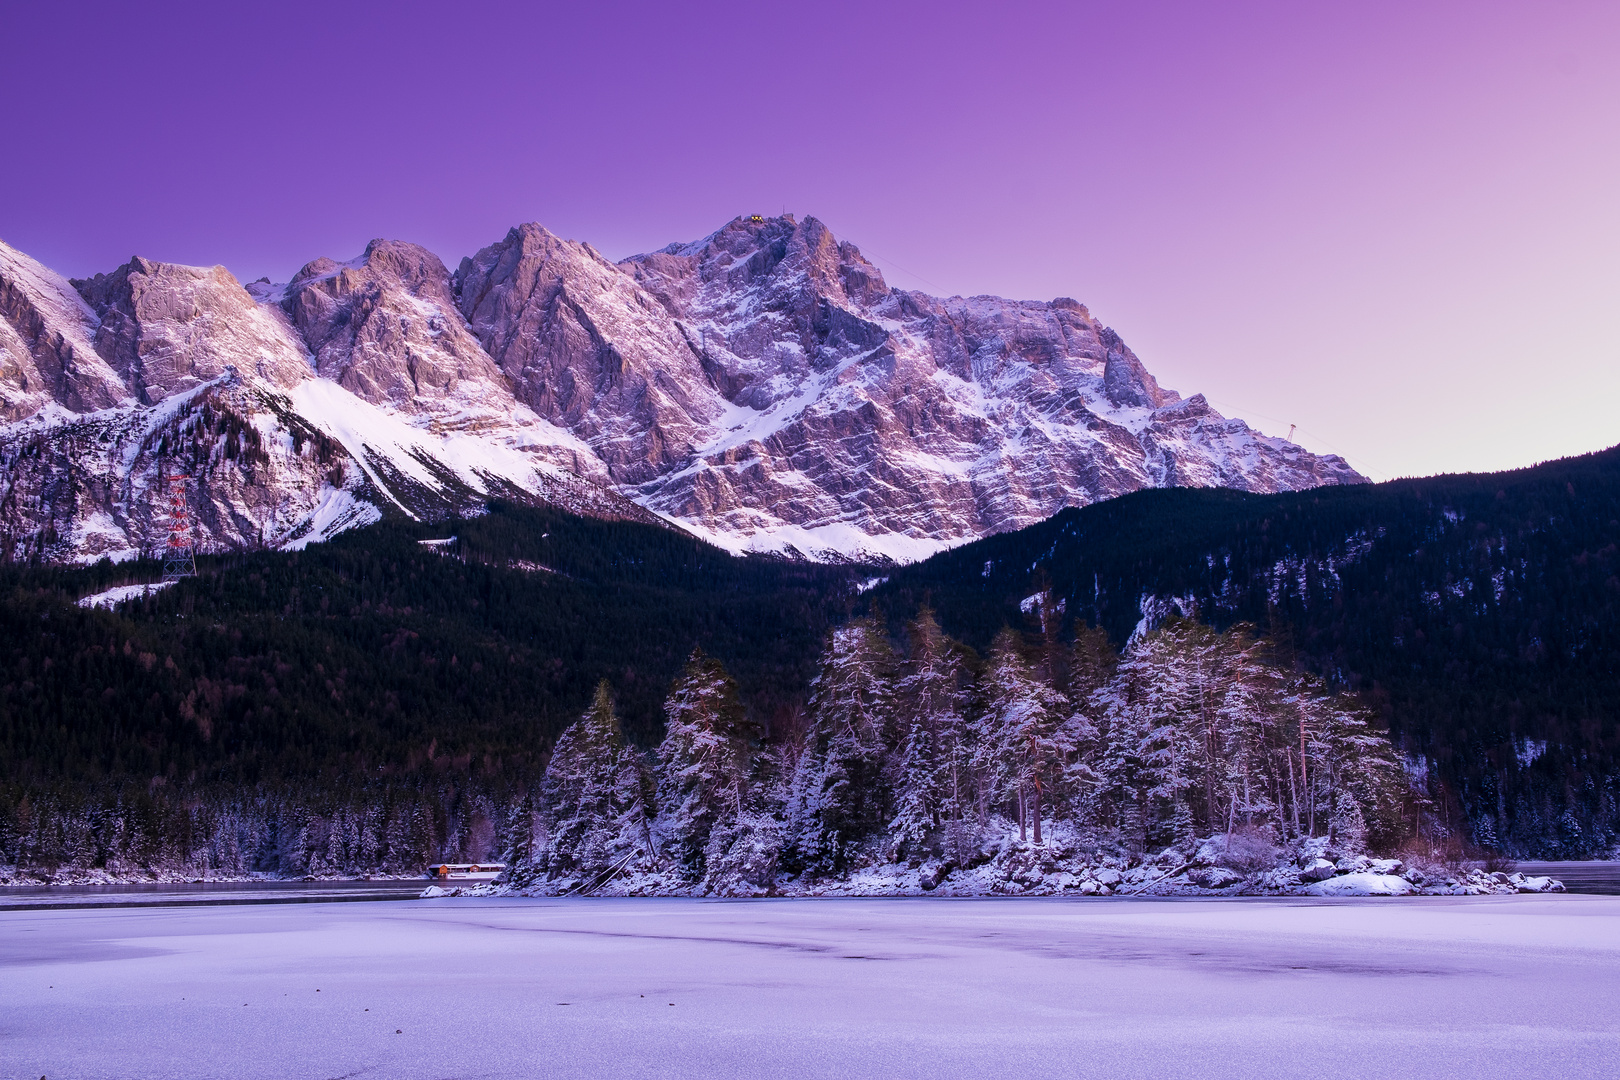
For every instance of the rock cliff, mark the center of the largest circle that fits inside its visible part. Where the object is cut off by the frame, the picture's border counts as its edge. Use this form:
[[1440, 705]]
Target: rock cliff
[[762, 387]]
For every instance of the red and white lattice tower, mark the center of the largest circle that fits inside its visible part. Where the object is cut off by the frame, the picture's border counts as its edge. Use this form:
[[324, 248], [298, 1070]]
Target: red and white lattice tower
[[180, 555]]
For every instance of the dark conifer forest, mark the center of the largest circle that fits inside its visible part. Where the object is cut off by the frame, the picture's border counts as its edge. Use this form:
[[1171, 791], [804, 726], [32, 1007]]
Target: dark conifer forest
[[379, 654], [1477, 617]]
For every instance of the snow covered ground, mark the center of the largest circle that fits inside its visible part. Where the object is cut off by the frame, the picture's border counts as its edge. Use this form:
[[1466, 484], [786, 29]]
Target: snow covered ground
[[119, 593], [508, 987]]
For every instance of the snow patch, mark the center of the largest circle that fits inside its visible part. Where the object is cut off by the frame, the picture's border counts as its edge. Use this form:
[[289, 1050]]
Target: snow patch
[[821, 543], [110, 598], [337, 511]]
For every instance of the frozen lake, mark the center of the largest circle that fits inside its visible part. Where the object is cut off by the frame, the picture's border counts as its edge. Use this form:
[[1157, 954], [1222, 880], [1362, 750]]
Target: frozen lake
[[1432, 987]]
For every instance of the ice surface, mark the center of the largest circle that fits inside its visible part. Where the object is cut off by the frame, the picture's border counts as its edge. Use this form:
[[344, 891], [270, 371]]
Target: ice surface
[[1432, 987]]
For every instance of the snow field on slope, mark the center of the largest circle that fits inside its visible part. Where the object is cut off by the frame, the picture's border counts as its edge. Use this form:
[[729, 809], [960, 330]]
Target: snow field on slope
[[1439, 988], [55, 296], [358, 426], [827, 543], [109, 598], [337, 511]]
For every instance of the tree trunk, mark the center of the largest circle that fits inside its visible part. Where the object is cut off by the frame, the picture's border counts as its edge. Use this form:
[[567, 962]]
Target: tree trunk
[[1293, 793], [1021, 824], [1310, 807], [1035, 811], [1282, 804], [1209, 750], [1305, 776]]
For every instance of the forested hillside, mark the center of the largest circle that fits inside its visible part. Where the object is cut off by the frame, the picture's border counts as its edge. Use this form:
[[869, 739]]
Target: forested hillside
[[372, 671], [395, 695], [1478, 614]]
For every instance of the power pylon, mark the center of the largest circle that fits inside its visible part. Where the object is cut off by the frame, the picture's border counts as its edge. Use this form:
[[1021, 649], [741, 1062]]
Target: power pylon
[[180, 556]]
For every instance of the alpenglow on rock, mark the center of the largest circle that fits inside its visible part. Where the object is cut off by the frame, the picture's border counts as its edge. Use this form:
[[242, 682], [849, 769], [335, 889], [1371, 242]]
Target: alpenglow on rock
[[763, 388]]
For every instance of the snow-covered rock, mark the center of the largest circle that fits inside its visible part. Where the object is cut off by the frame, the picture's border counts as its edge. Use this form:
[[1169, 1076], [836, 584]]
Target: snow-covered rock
[[48, 355], [166, 329], [1362, 884], [386, 328], [1215, 877], [959, 417], [1317, 870]]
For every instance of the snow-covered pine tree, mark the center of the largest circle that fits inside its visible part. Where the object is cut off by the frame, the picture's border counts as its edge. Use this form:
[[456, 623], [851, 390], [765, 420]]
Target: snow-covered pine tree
[[1092, 660], [704, 760], [524, 841], [1024, 740], [1251, 720], [1358, 788], [838, 795], [744, 854], [1152, 743], [1178, 745], [594, 794], [1091, 664], [933, 766], [1138, 742]]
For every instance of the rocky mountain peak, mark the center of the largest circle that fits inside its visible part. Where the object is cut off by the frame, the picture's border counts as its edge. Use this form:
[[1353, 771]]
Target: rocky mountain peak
[[588, 349], [386, 328], [763, 387], [778, 256], [165, 328], [47, 350]]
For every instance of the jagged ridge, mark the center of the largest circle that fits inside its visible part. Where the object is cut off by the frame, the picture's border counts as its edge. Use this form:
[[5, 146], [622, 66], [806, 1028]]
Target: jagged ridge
[[762, 387]]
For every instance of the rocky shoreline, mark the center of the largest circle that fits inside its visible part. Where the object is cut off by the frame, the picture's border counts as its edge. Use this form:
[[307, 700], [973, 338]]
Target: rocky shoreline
[[1007, 867], [1212, 867]]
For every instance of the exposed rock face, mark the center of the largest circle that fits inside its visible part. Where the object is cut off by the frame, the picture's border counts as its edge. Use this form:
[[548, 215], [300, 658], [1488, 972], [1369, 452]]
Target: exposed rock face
[[763, 387], [386, 329], [159, 369], [167, 328], [589, 350], [78, 488], [917, 421], [46, 344]]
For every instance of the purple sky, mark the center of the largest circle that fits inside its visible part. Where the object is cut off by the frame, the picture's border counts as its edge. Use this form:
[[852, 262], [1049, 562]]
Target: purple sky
[[1395, 225]]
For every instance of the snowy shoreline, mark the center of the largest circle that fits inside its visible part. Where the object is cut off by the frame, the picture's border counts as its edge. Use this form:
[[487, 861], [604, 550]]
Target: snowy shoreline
[[1062, 868], [69, 877], [1011, 877]]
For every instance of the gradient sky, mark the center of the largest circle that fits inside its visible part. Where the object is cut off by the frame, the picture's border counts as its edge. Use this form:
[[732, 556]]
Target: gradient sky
[[1395, 225]]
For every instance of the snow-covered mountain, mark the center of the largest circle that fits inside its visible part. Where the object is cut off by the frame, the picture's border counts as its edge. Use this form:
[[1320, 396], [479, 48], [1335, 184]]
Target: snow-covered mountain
[[763, 388]]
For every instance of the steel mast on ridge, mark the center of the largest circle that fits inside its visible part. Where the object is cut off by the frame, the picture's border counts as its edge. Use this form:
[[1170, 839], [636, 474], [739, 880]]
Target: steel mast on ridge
[[180, 556]]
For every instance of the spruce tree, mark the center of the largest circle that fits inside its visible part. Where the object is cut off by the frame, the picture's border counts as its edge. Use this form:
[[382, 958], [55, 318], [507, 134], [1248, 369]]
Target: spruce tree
[[705, 759], [933, 780], [839, 795], [595, 794], [1024, 740]]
